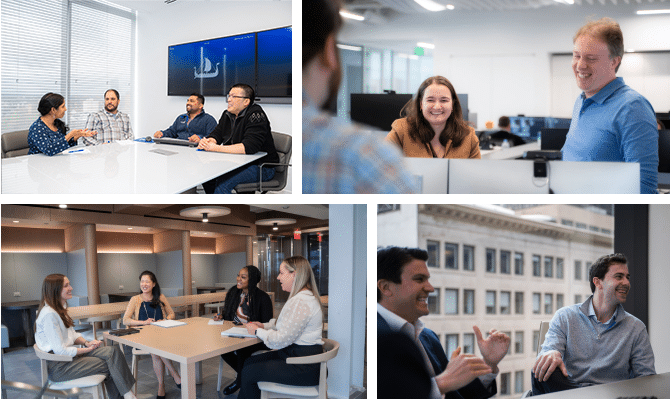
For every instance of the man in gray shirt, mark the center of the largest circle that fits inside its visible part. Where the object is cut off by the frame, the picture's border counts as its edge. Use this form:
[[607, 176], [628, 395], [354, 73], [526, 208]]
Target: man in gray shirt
[[595, 342]]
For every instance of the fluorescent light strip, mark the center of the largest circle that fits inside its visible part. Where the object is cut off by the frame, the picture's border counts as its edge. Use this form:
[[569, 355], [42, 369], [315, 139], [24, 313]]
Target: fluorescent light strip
[[347, 14], [430, 5], [426, 45], [347, 47], [652, 12], [565, 1]]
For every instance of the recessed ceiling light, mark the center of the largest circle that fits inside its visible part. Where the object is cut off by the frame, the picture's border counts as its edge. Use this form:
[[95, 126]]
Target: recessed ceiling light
[[346, 47], [651, 12], [349, 15], [450, 7], [16, 221], [430, 5], [62, 206], [130, 228], [425, 45]]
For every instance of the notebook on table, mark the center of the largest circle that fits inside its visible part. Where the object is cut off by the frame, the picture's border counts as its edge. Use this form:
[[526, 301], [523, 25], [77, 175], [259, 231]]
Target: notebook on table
[[168, 323]]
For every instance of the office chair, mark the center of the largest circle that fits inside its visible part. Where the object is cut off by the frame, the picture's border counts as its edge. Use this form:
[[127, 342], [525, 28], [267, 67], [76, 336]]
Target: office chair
[[32, 390], [284, 146], [15, 144], [92, 384], [544, 327]]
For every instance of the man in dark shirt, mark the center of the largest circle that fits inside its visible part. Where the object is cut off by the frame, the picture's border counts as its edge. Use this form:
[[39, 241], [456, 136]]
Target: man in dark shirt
[[243, 129]]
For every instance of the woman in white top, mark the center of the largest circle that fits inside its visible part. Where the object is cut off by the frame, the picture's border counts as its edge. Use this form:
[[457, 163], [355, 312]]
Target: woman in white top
[[55, 333], [296, 333]]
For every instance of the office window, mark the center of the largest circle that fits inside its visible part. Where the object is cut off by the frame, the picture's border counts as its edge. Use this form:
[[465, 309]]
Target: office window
[[548, 266], [581, 225], [450, 255], [434, 302], [433, 248], [518, 382], [504, 384], [559, 268], [490, 260], [468, 257], [536, 303], [537, 266], [452, 344], [518, 302], [490, 302], [49, 46], [578, 270], [536, 337], [518, 342], [505, 302], [469, 301], [450, 301], [578, 299], [559, 301], [505, 262], [518, 263], [548, 303], [468, 343]]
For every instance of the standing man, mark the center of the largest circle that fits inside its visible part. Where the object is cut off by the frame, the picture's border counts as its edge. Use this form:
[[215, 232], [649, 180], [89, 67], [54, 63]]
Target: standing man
[[402, 295], [194, 124], [110, 123], [337, 157], [610, 121], [243, 129], [595, 342]]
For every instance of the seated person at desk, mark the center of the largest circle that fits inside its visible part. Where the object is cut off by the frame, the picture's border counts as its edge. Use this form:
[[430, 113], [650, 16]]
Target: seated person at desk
[[434, 125], [48, 135], [55, 333], [296, 333], [610, 121], [243, 129], [111, 124], [194, 124], [505, 133], [595, 342], [149, 306], [245, 303]]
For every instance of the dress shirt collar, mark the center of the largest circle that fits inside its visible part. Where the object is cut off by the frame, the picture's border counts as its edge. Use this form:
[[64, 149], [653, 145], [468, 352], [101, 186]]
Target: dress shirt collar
[[592, 313], [111, 115], [397, 323], [606, 91]]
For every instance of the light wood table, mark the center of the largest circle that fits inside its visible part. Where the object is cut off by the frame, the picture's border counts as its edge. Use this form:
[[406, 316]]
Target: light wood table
[[187, 344], [103, 309]]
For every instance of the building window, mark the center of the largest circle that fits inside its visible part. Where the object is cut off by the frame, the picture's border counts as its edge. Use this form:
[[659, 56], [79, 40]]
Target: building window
[[578, 270], [566, 222], [452, 344], [536, 303], [433, 248], [536, 338], [505, 262], [434, 302], [594, 228], [469, 301], [490, 260], [509, 334], [505, 297], [559, 268], [518, 382], [581, 225], [468, 257], [559, 301], [548, 266], [578, 299], [450, 255], [606, 231], [548, 303], [490, 302], [587, 270], [381, 208], [504, 383], [468, 343], [450, 301], [518, 302], [537, 266], [518, 342], [518, 263]]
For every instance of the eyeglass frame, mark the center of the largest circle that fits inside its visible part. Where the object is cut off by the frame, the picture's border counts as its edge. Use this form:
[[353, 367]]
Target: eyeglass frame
[[230, 95]]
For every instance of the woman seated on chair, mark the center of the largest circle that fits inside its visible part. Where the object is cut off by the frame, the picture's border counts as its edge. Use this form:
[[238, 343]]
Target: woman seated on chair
[[55, 333], [145, 308], [48, 134], [245, 303], [296, 333]]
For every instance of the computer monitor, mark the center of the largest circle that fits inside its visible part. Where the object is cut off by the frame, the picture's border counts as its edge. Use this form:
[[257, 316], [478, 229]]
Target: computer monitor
[[377, 110], [664, 151], [665, 122], [528, 127], [553, 139]]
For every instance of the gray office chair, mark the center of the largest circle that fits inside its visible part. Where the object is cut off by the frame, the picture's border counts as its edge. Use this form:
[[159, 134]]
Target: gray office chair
[[544, 327], [15, 144], [283, 145]]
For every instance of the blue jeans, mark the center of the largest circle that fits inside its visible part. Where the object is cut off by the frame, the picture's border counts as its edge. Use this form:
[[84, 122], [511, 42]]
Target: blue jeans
[[225, 184]]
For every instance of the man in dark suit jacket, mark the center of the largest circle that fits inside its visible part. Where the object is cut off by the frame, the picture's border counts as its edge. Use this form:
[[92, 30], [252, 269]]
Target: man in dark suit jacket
[[402, 293], [401, 371]]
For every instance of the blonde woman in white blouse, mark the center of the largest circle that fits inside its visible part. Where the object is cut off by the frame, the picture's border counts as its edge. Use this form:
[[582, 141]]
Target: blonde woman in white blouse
[[297, 332], [55, 332]]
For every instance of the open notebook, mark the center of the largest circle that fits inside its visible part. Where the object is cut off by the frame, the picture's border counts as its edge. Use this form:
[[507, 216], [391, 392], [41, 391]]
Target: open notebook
[[168, 323]]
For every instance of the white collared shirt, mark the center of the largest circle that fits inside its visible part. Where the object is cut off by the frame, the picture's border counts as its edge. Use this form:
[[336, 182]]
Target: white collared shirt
[[51, 334]]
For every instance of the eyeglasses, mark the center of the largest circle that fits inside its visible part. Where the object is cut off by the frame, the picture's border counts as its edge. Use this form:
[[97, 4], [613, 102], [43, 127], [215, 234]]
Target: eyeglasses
[[229, 96]]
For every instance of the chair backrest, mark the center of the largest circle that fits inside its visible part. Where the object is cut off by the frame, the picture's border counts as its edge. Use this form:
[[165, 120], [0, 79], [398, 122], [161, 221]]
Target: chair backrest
[[44, 356], [15, 144], [330, 349], [544, 327], [284, 146]]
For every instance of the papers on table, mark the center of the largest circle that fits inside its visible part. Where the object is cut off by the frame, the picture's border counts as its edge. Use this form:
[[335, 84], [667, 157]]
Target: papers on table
[[168, 323], [76, 151], [238, 332], [213, 322]]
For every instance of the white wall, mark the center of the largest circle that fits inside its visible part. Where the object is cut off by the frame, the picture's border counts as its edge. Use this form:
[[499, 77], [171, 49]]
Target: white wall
[[659, 295]]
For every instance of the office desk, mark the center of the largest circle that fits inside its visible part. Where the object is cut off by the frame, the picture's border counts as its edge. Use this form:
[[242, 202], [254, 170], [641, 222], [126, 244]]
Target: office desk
[[27, 309], [186, 345], [653, 385], [103, 309], [125, 167]]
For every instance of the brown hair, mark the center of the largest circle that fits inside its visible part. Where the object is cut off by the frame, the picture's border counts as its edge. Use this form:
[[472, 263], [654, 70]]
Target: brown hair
[[420, 130], [52, 288], [321, 18], [606, 30]]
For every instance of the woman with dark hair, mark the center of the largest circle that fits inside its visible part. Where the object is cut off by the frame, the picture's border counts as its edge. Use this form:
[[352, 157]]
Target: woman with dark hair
[[433, 126], [149, 306], [48, 134], [55, 333], [245, 303]]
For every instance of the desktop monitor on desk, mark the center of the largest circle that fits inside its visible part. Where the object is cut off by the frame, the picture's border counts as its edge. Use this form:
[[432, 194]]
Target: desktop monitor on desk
[[553, 139], [528, 127]]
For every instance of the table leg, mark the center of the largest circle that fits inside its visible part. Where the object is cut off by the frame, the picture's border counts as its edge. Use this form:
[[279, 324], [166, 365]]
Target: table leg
[[198, 373], [28, 327], [187, 371]]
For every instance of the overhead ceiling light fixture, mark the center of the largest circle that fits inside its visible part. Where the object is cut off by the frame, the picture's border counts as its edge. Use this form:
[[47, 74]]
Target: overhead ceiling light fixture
[[169, 1], [430, 5], [347, 47], [275, 222], [62, 206], [565, 1], [426, 45], [450, 7], [274, 227], [350, 15], [205, 212], [204, 217], [16, 221], [652, 12]]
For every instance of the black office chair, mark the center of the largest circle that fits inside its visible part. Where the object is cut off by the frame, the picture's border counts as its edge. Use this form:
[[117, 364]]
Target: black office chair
[[283, 145]]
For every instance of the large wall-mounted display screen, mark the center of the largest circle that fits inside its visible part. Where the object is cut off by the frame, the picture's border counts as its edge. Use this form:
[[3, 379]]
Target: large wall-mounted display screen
[[274, 62]]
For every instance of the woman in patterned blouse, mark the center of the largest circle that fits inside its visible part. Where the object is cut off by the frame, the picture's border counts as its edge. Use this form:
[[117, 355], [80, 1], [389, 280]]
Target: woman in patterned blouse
[[48, 134]]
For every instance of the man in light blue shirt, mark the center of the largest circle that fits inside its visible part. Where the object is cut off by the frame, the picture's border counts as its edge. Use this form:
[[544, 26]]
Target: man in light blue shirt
[[610, 121], [595, 342]]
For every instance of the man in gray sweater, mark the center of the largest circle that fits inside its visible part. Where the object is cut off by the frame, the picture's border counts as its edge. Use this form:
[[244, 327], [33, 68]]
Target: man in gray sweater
[[595, 342]]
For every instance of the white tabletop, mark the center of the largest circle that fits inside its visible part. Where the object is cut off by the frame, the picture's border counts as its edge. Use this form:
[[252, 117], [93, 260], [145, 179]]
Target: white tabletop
[[125, 167], [653, 385]]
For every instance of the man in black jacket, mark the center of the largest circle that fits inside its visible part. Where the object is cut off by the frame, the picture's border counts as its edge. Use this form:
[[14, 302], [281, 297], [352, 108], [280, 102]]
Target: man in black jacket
[[243, 129]]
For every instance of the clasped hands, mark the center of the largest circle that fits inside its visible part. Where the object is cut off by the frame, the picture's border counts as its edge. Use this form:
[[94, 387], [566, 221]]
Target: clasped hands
[[208, 144]]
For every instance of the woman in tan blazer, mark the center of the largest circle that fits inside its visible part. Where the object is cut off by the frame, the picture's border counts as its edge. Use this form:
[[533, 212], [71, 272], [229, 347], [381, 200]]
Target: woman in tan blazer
[[433, 126]]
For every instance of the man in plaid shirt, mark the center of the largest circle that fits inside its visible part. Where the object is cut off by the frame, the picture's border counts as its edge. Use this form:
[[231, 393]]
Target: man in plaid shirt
[[110, 124]]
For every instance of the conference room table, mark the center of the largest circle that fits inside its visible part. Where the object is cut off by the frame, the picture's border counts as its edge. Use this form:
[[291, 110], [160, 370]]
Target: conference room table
[[652, 385], [187, 344], [28, 309], [122, 167]]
